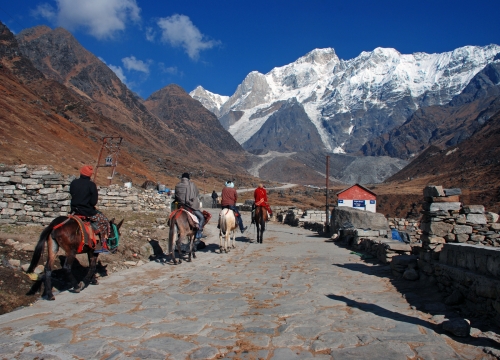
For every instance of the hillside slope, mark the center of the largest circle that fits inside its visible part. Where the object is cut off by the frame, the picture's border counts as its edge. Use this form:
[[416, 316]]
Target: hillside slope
[[473, 165], [87, 101]]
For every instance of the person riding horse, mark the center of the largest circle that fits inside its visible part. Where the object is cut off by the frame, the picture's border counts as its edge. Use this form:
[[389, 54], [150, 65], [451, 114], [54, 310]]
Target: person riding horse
[[260, 197], [84, 197], [186, 194], [229, 197]]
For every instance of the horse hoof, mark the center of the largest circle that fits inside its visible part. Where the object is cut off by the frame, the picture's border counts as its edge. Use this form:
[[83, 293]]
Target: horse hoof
[[51, 297], [77, 290], [94, 282]]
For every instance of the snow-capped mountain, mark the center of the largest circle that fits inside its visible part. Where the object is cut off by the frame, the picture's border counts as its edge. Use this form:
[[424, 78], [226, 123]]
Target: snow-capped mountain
[[209, 100], [348, 101]]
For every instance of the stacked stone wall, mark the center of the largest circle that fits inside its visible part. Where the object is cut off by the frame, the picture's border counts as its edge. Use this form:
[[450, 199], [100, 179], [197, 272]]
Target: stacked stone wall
[[35, 195], [409, 226], [32, 195], [311, 219], [461, 251], [446, 220]]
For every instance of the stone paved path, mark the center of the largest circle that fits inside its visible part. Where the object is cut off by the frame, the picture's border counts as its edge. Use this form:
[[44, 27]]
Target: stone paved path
[[293, 297]]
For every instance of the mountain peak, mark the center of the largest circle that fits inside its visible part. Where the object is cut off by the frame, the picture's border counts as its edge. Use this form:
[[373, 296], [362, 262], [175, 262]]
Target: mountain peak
[[319, 56], [351, 101]]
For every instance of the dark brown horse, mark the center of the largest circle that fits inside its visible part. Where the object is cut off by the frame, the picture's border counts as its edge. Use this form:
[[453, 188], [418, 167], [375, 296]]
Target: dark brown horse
[[181, 226], [67, 236], [260, 218]]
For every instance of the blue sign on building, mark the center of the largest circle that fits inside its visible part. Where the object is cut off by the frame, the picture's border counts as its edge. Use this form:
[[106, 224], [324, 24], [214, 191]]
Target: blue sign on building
[[372, 202], [341, 201], [358, 203]]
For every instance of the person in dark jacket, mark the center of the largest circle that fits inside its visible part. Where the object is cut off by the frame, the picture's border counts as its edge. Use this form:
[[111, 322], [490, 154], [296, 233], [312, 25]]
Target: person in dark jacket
[[214, 199], [186, 193], [84, 197]]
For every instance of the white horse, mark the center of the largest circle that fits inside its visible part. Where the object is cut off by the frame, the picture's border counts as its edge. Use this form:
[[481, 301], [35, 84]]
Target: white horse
[[227, 225]]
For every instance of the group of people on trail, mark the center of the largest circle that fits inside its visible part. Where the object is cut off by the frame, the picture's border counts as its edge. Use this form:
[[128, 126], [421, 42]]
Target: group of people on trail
[[84, 198]]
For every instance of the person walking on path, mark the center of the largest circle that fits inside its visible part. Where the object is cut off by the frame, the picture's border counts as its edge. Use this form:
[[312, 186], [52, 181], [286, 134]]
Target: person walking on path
[[229, 197], [214, 199]]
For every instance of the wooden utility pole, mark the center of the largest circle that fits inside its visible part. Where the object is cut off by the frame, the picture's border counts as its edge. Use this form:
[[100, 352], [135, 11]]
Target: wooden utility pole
[[327, 228]]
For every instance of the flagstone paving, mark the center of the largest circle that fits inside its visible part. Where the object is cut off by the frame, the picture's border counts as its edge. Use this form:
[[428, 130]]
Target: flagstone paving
[[296, 296]]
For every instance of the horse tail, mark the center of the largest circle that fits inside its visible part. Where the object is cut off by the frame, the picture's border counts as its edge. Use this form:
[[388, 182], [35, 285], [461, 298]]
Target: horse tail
[[171, 235], [41, 242], [222, 224]]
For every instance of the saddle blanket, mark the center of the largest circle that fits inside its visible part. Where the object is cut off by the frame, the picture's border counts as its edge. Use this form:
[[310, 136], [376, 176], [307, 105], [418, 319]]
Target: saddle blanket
[[195, 219]]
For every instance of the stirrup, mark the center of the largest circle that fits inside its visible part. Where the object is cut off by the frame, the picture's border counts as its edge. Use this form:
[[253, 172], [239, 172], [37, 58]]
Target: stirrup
[[102, 251]]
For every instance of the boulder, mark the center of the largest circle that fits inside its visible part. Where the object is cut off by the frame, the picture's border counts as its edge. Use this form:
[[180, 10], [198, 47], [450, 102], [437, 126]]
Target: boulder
[[437, 228], [478, 219], [453, 192], [491, 217], [349, 218], [410, 274], [397, 246], [433, 191], [441, 206], [462, 229], [458, 327], [473, 209]]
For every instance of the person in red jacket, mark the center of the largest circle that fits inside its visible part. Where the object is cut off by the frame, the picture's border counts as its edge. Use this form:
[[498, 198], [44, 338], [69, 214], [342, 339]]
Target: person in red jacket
[[260, 197], [229, 197]]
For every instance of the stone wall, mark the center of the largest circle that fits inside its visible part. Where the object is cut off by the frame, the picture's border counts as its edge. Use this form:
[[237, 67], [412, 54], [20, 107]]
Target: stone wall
[[35, 195], [32, 195], [409, 226], [311, 219], [470, 275], [137, 199], [446, 220], [461, 251]]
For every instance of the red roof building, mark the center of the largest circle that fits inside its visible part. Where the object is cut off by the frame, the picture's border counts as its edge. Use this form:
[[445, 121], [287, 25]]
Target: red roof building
[[358, 197]]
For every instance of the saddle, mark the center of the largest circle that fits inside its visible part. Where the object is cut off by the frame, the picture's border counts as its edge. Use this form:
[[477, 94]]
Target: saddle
[[85, 228], [189, 211], [192, 219]]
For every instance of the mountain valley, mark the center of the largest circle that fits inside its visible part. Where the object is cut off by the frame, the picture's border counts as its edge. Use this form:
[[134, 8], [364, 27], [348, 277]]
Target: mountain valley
[[371, 115]]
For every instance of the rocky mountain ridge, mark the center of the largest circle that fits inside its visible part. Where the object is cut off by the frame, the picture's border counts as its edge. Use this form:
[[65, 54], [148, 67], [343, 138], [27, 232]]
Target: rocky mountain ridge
[[351, 101], [59, 117], [445, 125]]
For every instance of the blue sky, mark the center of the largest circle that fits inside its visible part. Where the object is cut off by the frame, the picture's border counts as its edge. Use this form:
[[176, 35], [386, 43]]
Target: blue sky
[[215, 44]]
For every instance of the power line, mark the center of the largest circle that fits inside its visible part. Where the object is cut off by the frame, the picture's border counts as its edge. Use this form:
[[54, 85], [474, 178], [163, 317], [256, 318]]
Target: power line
[[17, 22]]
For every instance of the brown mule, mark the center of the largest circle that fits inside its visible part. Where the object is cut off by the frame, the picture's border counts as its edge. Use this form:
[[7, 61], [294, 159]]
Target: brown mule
[[182, 225], [260, 218], [65, 234]]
